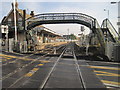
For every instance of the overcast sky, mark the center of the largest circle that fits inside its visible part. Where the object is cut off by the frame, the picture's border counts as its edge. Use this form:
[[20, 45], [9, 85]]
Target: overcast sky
[[94, 8]]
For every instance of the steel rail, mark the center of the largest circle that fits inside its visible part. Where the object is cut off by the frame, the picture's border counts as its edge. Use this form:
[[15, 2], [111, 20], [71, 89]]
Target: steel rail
[[51, 71], [78, 70]]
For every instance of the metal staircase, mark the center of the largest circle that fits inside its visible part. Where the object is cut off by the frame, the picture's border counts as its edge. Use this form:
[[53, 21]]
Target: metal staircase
[[111, 39], [109, 31], [100, 36]]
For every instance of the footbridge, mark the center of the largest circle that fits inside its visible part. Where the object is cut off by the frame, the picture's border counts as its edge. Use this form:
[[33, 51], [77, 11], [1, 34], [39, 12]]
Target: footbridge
[[79, 18], [58, 18]]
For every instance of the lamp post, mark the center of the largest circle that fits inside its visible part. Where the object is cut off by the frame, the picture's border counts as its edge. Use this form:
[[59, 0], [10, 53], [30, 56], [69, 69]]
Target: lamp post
[[107, 12], [118, 23]]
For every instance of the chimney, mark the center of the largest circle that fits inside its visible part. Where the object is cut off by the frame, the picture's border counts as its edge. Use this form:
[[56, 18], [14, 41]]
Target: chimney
[[32, 13], [16, 4]]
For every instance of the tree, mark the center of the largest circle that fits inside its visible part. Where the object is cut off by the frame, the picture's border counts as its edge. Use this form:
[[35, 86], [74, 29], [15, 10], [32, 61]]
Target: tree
[[72, 37]]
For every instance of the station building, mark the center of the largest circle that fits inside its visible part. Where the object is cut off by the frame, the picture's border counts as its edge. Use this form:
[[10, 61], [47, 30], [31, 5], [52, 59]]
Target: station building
[[34, 37]]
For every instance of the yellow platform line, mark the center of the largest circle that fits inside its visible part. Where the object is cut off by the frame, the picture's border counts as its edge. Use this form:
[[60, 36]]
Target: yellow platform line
[[111, 82], [40, 64], [99, 67], [107, 74], [44, 61], [35, 69], [9, 56], [22, 58], [31, 72]]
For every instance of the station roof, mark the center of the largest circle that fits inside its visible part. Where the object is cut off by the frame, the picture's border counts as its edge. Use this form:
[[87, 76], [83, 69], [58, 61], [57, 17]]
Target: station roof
[[45, 30]]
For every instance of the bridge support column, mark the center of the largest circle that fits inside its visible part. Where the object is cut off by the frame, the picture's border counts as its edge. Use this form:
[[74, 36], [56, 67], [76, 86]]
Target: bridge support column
[[43, 38], [48, 38]]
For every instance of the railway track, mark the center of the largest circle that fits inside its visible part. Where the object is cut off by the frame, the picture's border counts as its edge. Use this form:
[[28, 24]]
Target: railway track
[[51, 71], [67, 73], [21, 65], [64, 71], [68, 51]]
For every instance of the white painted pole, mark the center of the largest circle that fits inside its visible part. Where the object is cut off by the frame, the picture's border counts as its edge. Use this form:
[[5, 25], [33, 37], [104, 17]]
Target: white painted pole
[[119, 18], [15, 21]]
